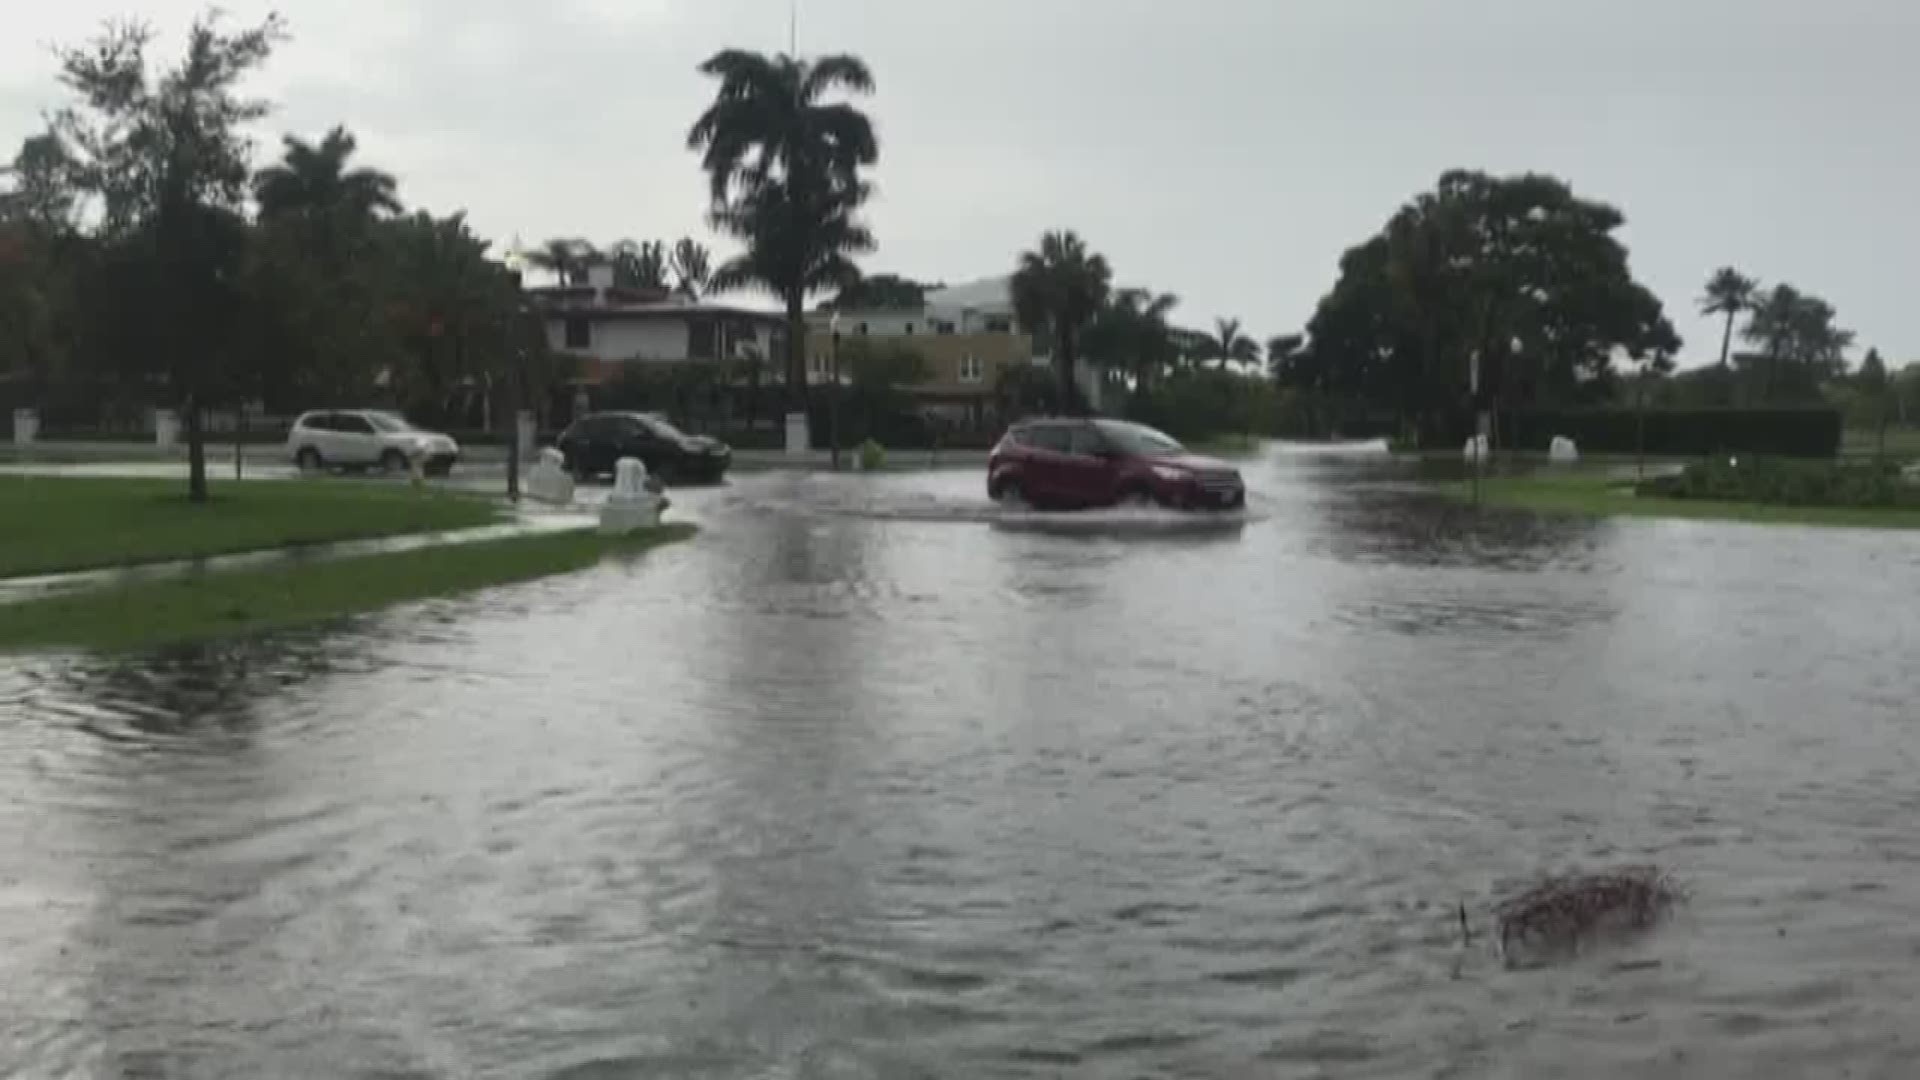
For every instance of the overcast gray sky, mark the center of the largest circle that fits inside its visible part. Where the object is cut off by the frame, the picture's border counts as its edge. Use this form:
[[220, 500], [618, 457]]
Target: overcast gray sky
[[1223, 150]]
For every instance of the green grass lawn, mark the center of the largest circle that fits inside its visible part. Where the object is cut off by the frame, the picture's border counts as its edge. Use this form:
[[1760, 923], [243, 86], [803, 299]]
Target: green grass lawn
[[237, 603], [1595, 497], [49, 524]]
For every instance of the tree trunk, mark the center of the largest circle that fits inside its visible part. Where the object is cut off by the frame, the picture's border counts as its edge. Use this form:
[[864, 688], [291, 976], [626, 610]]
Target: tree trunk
[[1726, 343], [796, 352], [196, 451], [1063, 367]]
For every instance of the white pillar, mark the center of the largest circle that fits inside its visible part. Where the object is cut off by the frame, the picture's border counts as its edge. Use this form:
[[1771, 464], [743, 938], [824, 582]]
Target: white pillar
[[26, 426], [525, 433], [166, 427], [798, 440]]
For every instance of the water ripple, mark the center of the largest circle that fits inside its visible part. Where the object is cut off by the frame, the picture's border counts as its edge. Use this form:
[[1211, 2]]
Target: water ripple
[[877, 780]]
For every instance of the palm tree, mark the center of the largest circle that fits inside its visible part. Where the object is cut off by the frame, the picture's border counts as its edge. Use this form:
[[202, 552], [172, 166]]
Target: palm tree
[[638, 265], [1132, 334], [566, 259], [1060, 288], [769, 121], [783, 163], [691, 263], [316, 179], [1729, 292], [793, 248], [1230, 346]]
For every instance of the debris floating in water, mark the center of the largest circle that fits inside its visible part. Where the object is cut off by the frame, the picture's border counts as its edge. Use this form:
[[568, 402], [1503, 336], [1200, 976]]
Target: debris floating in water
[[1561, 912]]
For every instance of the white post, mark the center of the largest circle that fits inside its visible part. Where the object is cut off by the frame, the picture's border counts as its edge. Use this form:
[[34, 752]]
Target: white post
[[797, 434], [525, 431], [166, 428], [26, 427]]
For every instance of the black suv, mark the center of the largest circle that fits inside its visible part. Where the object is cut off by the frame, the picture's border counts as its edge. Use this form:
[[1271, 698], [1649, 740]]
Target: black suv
[[596, 441]]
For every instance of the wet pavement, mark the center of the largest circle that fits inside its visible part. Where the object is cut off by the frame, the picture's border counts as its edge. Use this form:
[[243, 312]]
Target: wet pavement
[[875, 780]]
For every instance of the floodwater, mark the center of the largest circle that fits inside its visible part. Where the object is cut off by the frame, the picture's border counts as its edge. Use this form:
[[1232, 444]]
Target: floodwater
[[872, 781]]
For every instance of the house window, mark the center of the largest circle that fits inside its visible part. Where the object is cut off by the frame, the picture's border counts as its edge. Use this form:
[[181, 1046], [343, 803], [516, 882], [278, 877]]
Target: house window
[[999, 324], [579, 334], [943, 327], [817, 365], [861, 330], [702, 340], [909, 329], [971, 369]]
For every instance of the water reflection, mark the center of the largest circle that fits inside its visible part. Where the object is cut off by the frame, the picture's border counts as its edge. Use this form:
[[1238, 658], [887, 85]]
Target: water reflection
[[858, 784]]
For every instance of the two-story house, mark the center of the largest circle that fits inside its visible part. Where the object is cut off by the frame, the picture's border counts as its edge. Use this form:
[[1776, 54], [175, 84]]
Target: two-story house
[[967, 334], [609, 327]]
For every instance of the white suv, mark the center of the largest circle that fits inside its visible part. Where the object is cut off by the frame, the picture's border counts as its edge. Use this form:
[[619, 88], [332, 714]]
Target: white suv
[[363, 438]]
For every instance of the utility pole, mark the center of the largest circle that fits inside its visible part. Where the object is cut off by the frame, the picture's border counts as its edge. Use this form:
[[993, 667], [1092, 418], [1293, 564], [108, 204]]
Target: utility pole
[[1480, 443], [833, 392], [517, 360]]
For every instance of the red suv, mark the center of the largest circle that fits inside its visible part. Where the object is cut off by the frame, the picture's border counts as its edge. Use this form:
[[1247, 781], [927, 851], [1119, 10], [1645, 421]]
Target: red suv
[[1072, 462]]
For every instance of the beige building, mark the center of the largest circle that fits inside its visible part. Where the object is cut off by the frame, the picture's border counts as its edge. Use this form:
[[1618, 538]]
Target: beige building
[[967, 335]]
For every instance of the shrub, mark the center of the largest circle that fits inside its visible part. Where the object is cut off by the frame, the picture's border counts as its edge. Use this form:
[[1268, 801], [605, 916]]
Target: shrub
[[872, 456], [1792, 432], [1787, 482]]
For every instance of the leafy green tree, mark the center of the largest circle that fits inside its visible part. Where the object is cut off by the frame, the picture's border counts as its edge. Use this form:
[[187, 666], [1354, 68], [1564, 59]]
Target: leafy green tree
[[783, 157], [1906, 393], [881, 292], [1515, 276], [41, 255], [1283, 352], [1059, 289], [1729, 293], [1873, 385], [453, 312], [692, 267], [165, 156], [41, 180], [1800, 347]]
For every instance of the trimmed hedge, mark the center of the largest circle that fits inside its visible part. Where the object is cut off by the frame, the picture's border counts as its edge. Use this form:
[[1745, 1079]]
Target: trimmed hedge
[[1786, 482], [1788, 432]]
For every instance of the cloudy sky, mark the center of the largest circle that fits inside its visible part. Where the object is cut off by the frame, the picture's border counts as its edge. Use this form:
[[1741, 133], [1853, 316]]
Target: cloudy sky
[[1224, 150]]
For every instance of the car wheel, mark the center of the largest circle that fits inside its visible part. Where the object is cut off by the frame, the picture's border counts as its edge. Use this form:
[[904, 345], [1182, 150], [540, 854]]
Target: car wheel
[[308, 460], [393, 461], [1139, 496], [1006, 490]]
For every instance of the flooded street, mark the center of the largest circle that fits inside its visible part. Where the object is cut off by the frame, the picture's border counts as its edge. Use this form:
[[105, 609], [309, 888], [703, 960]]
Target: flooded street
[[869, 781]]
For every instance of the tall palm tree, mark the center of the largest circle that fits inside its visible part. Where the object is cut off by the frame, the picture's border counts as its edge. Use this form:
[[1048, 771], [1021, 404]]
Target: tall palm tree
[[783, 162], [1132, 334], [315, 178], [1230, 346], [692, 265], [1059, 288], [770, 120], [793, 248], [1729, 292]]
